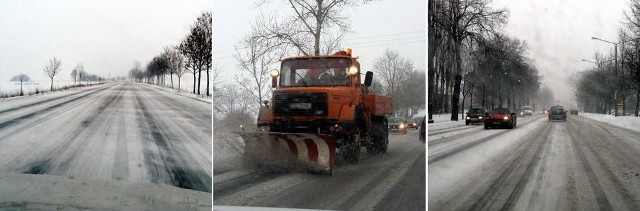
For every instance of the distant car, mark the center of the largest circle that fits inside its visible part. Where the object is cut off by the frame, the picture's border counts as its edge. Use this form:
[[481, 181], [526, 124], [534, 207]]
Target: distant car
[[411, 123], [543, 111], [557, 113], [519, 112], [398, 125], [527, 110], [573, 111], [423, 131], [500, 117], [475, 115]]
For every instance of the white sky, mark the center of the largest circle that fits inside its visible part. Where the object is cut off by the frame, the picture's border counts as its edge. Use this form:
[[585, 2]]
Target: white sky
[[108, 36], [398, 25], [559, 35]]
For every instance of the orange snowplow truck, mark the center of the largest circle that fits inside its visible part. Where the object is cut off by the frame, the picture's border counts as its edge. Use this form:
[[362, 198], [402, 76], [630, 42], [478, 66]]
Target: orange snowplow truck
[[319, 105]]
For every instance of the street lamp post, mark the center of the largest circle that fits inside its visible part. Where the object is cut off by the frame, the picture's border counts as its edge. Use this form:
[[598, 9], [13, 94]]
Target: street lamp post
[[615, 70]]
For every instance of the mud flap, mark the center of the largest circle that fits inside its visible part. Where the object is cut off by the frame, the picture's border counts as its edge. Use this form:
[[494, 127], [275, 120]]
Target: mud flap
[[290, 151]]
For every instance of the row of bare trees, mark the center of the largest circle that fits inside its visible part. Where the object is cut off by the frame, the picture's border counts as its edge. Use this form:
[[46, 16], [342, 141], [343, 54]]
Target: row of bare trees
[[192, 55], [469, 59], [610, 84], [402, 81], [53, 68]]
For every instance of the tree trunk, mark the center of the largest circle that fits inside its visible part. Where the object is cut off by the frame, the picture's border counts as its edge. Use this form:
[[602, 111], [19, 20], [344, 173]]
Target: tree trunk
[[171, 75], [637, 102], [51, 89], [194, 81], [455, 98], [179, 83], [208, 93], [199, 78]]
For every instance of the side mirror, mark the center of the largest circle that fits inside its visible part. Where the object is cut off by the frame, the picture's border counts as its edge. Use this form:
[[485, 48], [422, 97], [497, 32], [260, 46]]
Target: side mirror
[[368, 78], [274, 82]]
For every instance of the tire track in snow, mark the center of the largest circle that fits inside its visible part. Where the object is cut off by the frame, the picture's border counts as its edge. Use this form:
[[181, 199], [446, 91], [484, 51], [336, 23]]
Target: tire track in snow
[[514, 173], [611, 149], [29, 115], [54, 160], [169, 164]]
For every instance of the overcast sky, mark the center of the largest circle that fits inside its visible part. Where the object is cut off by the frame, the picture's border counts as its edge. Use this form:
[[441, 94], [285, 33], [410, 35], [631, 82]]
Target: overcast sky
[[107, 36], [559, 35], [398, 25]]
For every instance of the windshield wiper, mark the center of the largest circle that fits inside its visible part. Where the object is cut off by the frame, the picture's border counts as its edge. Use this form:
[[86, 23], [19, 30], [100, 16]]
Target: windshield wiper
[[301, 79]]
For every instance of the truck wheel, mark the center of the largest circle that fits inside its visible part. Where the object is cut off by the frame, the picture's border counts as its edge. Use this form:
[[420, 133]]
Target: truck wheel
[[379, 136]]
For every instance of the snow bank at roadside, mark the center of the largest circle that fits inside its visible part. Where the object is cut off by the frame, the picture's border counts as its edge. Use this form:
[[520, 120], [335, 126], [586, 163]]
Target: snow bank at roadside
[[203, 98], [445, 117], [628, 122]]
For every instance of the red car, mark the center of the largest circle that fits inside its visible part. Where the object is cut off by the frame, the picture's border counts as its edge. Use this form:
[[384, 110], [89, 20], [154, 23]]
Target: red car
[[502, 117]]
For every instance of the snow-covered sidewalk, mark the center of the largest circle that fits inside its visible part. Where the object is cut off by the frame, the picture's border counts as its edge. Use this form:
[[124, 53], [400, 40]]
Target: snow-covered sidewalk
[[203, 98], [628, 122]]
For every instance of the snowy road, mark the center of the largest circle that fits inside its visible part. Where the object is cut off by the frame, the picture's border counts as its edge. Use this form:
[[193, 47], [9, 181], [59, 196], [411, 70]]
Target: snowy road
[[393, 181], [580, 164], [117, 131]]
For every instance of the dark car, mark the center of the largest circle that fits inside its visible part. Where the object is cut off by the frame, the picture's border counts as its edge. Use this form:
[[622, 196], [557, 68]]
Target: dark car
[[475, 115], [411, 123], [557, 113], [519, 112], [573, 111], [423, 131], [500, 117], [398, 124]]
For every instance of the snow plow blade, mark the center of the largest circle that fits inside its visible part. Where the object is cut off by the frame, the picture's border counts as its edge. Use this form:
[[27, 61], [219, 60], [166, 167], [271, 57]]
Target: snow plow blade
[[312, 152]]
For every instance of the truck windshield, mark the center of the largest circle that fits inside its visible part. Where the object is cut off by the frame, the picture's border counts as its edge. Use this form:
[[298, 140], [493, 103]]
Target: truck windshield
[[315, 72]]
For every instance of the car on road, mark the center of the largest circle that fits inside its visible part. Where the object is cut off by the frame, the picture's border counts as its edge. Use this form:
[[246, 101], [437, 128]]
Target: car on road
[[411, 123], [475, 115], [557, 113], [519, 112], [398, 125], [527, 110], [500, 117], [422, 130], [543, 111], [573, 111]]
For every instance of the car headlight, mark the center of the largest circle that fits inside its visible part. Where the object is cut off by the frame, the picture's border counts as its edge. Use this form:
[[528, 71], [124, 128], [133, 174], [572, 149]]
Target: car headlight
[[506, 118], [521, 113], [479, 117], [401, 126], [468, 118]]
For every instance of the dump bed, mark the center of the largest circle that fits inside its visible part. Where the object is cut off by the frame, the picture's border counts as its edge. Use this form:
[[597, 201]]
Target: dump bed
[[380, 105]]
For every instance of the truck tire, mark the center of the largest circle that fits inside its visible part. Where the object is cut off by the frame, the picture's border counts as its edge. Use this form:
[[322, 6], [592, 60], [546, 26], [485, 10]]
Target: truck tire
[[379, 136]]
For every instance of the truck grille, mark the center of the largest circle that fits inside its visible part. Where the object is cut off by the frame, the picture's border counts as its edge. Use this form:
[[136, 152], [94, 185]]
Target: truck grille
[[285, 104]]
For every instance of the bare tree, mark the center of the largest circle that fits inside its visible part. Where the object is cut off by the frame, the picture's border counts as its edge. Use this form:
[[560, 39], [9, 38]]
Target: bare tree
[[394, 71], [52, 68], [197, 49], [75, 73], [175, 61], [22, 78], [254, 55], [311, 20]]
